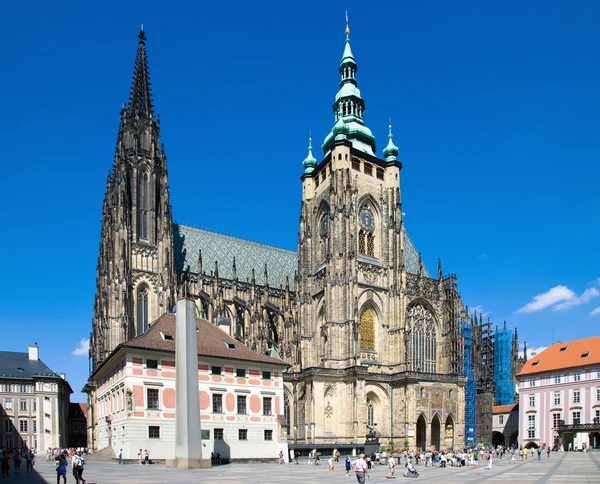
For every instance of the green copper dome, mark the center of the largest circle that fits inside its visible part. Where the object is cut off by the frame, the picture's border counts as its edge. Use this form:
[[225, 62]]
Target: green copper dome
[[309, 162], [390, 152]]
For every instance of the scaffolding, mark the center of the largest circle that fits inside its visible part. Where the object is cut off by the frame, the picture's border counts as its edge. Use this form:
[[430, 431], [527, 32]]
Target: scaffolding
[[471, 386], [505, 389]]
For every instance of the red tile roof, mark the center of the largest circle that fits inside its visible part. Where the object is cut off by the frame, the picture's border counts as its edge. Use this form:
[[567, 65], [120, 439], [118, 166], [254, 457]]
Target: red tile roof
[[505, 408], [562, 356], [212, 341]]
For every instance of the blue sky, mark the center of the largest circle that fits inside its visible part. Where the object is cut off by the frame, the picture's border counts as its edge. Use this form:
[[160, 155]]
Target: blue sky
[[495, 111]]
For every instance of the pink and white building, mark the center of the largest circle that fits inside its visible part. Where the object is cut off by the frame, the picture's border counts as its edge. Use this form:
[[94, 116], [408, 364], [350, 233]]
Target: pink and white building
[[241, 396], [559, 395]]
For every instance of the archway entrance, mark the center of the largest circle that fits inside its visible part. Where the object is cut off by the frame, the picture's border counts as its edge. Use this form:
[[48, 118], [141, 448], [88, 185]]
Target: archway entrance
[[421, 432], [435, 432], [497, 439]]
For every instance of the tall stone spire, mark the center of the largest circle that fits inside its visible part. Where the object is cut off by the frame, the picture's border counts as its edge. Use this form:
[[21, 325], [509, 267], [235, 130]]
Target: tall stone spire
[[136, 225], [349, 105], [140, 98]]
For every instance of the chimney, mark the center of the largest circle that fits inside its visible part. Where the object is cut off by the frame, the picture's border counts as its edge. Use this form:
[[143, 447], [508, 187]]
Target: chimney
[[34, 352], [224, 324]]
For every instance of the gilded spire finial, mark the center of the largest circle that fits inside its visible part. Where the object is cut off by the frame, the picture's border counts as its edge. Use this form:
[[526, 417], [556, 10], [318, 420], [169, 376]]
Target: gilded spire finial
[[347, 31]]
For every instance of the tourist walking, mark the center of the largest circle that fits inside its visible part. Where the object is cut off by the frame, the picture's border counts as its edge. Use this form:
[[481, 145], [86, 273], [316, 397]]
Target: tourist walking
[[359, 466], [30, 461], [61, 468], [17, 461], [348, 465], [490, 460], [121, 456], [548, 451], [5, 465], [392, 466]]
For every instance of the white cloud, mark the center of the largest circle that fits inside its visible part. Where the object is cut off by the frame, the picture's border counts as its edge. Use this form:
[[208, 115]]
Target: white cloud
[[531, 352], [83, 349], [588, 294], [542, 301], [595, 312]]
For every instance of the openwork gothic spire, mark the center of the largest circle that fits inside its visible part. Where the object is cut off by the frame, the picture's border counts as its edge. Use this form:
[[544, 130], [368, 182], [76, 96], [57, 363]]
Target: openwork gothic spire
[[140, 99]]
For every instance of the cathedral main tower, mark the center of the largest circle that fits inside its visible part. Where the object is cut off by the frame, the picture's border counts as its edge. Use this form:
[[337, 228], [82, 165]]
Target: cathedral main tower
[[135, 275], [379, 348]]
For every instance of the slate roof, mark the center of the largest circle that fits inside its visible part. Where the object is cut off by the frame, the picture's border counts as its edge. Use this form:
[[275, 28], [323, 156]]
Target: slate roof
[[496, 409], [211, 341], [250, 255], [562, 356], [14, 364]]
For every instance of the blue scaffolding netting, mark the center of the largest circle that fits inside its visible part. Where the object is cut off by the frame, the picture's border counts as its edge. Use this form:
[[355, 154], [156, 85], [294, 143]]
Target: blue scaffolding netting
[[505, 388], [471, 386]]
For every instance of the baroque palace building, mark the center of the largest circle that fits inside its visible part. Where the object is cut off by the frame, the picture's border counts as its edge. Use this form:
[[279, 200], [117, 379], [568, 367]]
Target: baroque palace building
[[373, 339]]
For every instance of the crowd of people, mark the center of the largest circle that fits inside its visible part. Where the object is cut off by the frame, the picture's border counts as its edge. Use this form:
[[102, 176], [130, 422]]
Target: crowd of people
[[468, 457], [18, 457]]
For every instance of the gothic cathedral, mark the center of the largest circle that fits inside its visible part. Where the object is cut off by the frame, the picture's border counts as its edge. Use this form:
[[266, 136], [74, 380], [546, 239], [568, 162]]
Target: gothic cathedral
[[372, 339]]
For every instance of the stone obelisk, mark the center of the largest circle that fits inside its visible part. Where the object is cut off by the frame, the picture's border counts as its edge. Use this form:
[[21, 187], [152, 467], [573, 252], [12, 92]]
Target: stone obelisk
[[188, 446]]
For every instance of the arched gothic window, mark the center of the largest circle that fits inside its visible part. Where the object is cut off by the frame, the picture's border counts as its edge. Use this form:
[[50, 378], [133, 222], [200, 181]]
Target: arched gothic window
[[143, 206], [422, 339], [370, 413], [142, 310], [367, 329]]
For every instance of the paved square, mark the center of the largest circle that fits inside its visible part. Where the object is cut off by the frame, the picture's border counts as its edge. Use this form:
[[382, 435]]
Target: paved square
[[560, 467]]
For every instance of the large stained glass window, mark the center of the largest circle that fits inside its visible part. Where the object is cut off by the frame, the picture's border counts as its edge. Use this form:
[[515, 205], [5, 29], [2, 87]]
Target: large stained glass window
[[421, 339]]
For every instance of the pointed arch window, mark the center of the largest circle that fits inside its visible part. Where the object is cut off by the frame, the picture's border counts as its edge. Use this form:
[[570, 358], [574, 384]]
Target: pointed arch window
[[370, 413], [367, 329], [422, 340], [142, 310], [143, 206]]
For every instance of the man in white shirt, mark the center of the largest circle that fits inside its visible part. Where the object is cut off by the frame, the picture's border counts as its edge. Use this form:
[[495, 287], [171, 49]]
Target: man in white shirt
[[359, 466]]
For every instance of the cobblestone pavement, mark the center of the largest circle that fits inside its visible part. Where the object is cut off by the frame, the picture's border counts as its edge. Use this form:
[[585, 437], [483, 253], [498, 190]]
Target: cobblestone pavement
[[574, 467]]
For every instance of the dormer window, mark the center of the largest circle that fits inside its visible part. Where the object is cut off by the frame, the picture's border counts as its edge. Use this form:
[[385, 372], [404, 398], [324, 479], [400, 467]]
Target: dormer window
[[536, 363], [564, 348], [585, 355], [166, 337]]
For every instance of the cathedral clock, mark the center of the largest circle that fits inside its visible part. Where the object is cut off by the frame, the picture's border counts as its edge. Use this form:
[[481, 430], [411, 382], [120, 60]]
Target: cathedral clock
[[367, 220]]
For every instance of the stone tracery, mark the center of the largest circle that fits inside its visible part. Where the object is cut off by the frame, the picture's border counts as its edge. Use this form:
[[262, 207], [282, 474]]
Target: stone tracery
[[421, 339]]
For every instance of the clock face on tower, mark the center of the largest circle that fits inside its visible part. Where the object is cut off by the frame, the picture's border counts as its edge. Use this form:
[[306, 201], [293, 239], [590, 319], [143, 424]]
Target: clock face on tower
[[367, 220]]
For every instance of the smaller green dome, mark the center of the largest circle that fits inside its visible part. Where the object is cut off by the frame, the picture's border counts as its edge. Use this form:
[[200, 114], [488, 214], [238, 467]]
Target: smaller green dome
[[390, 152], [340, 128], [309, 162]]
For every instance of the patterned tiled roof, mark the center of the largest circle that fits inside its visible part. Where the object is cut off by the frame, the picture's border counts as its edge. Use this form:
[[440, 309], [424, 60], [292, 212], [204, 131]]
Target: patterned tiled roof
[[250, 255], [222, 248], [562, 356]]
